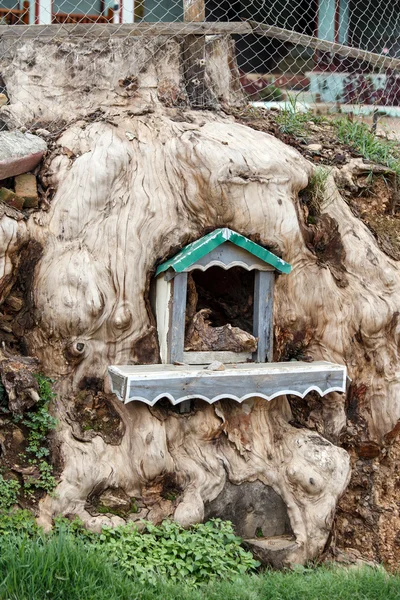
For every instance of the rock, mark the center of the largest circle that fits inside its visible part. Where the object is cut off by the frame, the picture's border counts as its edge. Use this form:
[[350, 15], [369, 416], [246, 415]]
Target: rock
[[115, 498], [201, 336], [314, 147], [43, 132], [18, 436], [28, 473], [352, 557], [14, 302], [130, 136], [276, 551], [17, 374], [117, 521], [3, 99], [12, 199], [26, 188], [19, 152], [215, 366]]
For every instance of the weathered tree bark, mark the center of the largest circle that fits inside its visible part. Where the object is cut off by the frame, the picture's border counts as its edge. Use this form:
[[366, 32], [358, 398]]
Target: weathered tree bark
[[132, 175], [201, 336]]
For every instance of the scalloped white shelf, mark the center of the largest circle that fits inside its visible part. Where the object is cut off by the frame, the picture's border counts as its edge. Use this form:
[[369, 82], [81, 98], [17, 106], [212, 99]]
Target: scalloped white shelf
[[150, 383]]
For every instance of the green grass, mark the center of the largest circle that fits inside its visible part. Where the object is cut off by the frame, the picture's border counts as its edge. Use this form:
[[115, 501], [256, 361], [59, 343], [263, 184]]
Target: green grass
[[316, 190], [64, 567], [371, 147], [354, 133], [57, 568], [295, 122]]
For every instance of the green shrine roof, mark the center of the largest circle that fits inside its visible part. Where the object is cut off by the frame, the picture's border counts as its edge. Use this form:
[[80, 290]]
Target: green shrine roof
[[196, 250]]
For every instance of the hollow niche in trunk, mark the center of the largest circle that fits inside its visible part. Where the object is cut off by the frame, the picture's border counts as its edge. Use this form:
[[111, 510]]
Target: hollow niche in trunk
[[255, 510], [219, 311]]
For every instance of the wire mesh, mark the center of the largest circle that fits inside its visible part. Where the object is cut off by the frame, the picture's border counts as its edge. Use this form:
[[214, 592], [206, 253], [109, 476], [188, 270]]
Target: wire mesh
[[320, 52]]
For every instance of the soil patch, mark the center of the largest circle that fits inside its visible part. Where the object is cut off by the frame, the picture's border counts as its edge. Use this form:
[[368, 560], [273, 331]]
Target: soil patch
[[374, 199]]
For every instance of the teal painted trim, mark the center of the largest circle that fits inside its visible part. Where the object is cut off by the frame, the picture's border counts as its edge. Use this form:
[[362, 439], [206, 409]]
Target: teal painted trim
[[326, 20], [344, 19], [163, 10], [195, 251]]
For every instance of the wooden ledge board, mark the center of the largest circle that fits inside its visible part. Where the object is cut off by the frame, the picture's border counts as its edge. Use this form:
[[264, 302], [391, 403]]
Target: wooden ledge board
[[150, 383]]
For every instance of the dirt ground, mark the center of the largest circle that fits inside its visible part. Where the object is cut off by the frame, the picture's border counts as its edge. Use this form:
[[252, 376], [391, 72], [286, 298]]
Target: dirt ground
[[388, 126]]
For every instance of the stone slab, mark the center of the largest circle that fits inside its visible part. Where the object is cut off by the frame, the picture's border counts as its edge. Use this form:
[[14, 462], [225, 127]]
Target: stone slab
[[10, 198], [26, 188], [275, 551], [19, 153]]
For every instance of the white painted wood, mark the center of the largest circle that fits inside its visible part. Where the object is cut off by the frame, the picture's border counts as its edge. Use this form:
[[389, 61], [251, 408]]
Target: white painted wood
[[226, 256], [177, 311], [128, 11], [229, 255], [150, 383], [45, 8], [162, 303], [206, 358]]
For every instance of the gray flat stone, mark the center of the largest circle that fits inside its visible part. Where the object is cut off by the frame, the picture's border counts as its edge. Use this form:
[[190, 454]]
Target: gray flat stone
[[275, 552], [115, 498], [19, 153]]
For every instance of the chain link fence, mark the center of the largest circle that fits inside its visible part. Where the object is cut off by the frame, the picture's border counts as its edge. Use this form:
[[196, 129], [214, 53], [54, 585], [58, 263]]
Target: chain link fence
[[317, 52]]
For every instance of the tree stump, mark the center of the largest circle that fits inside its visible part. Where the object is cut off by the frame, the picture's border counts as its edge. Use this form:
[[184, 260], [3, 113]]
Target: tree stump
[[133, 174]]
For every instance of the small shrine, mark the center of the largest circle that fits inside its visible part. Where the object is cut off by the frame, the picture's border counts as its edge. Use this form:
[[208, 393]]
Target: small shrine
[[213, 303]]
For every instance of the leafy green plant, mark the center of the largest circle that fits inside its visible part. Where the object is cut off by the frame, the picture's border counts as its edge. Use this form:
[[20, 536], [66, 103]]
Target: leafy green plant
[[39, 423], [64, 567], [202, 553], [9, 490], [45, 481], [18, 523]]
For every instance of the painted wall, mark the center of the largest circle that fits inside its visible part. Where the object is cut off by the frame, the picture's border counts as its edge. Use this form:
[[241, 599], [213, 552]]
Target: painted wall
[[332, 14], [164, 10], [74, 6], [9, 4]]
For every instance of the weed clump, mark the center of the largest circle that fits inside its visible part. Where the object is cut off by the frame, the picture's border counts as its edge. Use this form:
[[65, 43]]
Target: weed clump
[[30, 455], [371, 147], [314, 194], [39, 423], [9, 490]]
